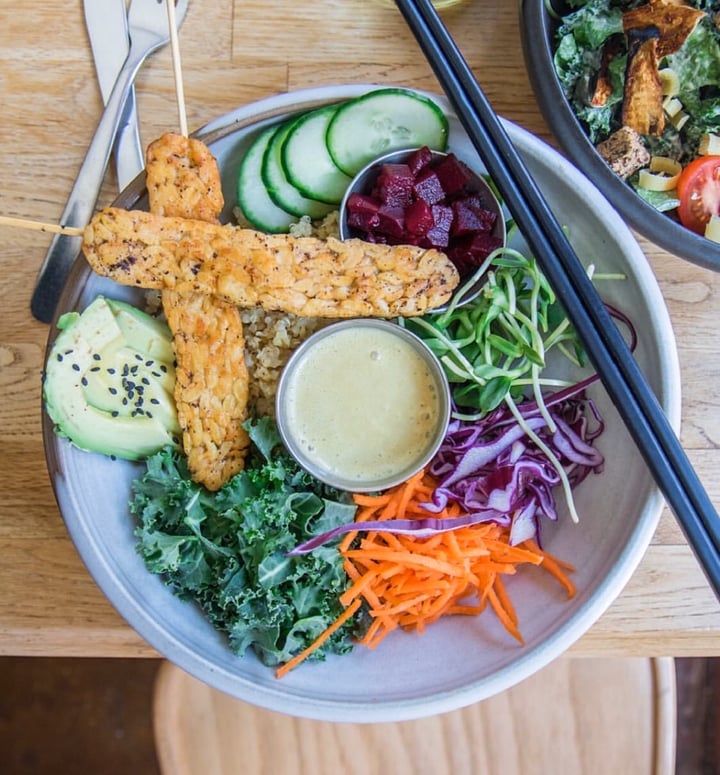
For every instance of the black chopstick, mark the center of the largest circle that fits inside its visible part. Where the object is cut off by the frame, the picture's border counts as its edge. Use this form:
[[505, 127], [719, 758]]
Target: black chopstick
[[603, 342]]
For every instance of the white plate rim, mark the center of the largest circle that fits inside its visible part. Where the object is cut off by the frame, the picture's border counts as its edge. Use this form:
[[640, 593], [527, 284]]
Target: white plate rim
[[100, 564]]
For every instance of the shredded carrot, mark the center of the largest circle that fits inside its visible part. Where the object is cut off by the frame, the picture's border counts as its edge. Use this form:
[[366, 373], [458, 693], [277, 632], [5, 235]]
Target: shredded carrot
[[407, 582], [348, 613], [555, 566]]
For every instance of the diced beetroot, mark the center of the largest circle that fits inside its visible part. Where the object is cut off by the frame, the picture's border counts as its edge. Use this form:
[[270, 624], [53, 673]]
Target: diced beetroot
[[430, 205], [363, 221], [487, 217], [362, 212], [362, 205], [394, 185], [392, 221], [419, 217], [468, 218], [471, 199], [439, 235], [453, 174], [468, 252], [428, 187], [419, 160]]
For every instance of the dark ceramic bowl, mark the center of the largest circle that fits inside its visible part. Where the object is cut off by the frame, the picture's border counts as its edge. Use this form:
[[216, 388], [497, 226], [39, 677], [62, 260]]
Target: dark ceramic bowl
[[538, 28]]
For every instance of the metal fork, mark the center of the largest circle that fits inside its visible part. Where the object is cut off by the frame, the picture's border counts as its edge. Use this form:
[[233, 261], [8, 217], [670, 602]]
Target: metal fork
[[148, 30]]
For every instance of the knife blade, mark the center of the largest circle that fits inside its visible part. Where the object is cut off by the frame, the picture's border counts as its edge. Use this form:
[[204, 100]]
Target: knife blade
[[107, 27]]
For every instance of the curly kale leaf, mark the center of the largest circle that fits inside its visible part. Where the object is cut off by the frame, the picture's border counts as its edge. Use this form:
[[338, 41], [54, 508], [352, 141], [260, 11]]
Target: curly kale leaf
[[227, 551]]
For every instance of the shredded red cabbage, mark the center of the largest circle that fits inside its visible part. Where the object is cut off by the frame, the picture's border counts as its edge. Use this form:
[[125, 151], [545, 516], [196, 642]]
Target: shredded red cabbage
[[498, 473], [495, 471]]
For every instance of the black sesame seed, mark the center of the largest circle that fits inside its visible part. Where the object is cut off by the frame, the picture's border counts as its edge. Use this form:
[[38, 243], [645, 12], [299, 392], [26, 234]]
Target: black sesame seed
[[111, 371], [154, 401], [59, 357], [95, 368], [113, 391], [115, 413], [97, 357], [84, 382], [75, 367]]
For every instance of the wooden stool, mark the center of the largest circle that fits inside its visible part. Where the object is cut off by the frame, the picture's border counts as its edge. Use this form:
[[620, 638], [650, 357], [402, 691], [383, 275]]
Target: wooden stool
[[578, 716]]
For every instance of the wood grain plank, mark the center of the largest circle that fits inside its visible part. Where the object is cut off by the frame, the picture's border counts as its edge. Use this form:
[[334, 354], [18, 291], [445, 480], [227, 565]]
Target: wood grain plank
[[235, 52], [598, 716]]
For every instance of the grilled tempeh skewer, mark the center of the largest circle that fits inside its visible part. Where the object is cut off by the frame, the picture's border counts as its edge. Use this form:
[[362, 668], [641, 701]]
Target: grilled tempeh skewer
[[302, 275], [211, 388]]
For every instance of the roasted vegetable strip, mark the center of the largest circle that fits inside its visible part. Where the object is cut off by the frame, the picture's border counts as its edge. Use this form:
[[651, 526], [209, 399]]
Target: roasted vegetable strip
[[211, 387], [653, 31], [672, 23], [612, 47], [301, 275], [643, 99]]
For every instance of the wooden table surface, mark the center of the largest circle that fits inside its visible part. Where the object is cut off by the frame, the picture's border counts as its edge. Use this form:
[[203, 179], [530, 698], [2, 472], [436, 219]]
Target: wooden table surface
[[235, 52]]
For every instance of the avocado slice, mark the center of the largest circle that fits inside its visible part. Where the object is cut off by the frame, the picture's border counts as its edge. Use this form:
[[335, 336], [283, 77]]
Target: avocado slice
[[109, 381]]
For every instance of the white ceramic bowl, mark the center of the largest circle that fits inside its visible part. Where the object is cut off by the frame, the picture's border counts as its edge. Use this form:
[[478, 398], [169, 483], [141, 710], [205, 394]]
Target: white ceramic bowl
[[459, 660]]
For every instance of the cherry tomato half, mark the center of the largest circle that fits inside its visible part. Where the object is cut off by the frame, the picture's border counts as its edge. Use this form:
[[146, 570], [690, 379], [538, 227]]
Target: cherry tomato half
[[698, 189]]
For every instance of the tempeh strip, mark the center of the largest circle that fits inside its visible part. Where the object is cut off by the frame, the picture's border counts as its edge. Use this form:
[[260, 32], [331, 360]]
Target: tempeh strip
[[183, 178], [301, 275], [211, 387]]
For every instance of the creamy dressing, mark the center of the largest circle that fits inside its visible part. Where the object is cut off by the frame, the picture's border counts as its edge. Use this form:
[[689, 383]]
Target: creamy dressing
[[363, 404]]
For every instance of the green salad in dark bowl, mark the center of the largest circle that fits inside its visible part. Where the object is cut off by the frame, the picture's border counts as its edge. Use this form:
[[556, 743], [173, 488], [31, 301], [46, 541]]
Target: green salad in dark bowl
[[631, 91]]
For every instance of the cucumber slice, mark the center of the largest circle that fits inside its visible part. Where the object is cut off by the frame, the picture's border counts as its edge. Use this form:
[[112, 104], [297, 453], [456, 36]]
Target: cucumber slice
[[382, 121], [253, 198], [279, 188], [307, 161]]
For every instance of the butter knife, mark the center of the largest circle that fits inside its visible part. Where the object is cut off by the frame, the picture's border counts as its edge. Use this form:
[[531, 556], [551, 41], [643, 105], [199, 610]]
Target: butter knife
[[107, 27]]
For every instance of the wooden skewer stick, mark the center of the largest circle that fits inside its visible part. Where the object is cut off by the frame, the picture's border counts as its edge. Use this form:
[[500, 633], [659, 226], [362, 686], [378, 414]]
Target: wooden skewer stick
[[53, 228], [177, 69]]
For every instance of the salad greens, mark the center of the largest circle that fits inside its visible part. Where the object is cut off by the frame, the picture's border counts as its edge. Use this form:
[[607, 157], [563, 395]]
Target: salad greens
[[228, 551], [580, 38], [496, 347]]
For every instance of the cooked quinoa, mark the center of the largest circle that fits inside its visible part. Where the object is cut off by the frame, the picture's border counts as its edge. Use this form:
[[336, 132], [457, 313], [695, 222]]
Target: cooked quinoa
[[270, 338]]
